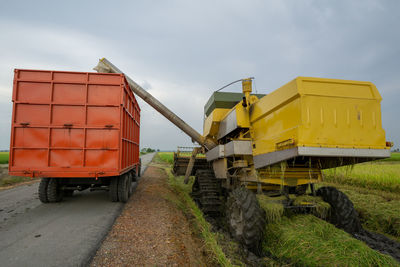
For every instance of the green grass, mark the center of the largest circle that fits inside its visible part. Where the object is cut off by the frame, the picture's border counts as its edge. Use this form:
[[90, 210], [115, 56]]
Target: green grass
[[4, 157], [394, 157], [274, 208], [383, 176], [187, 204], [379, 211], [376, 212], [13, 180], [305, 240], [167, 157]]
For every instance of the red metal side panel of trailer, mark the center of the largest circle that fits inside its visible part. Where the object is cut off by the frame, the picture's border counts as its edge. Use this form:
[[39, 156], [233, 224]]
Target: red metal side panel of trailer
[[73, 124]]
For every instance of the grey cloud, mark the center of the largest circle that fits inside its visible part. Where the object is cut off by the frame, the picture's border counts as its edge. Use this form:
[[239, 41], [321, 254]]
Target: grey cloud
[[182, 50]]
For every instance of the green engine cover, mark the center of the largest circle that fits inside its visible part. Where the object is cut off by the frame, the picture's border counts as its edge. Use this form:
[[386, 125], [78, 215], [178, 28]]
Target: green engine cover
[[224, 100]]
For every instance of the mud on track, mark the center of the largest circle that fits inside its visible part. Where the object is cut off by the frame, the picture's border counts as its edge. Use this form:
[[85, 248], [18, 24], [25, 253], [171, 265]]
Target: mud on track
[[380, 243]]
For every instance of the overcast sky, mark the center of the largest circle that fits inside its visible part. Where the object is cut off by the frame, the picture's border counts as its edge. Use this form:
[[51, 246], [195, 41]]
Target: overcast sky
[[181, 51]]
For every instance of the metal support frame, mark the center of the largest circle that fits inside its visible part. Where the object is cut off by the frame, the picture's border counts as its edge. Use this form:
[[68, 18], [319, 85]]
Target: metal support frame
[[189, 169]]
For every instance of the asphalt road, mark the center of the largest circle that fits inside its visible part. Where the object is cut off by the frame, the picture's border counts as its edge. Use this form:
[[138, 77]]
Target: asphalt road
[[58, 234]]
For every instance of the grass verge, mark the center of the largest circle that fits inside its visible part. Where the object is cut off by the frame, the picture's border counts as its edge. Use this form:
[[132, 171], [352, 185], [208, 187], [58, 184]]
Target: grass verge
[[189, 207], [383, 176], [7, 181], [209, 238], [167, 157], [4, 157]]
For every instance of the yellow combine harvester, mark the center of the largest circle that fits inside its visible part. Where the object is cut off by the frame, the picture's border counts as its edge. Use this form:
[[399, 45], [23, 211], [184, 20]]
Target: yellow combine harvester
[[307, 125], [277, 145]]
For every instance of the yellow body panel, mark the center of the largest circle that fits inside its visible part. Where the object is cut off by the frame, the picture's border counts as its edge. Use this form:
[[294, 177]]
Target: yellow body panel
[[211, 123], [318, 113], [290, 176], [242, 116], [306, 112]]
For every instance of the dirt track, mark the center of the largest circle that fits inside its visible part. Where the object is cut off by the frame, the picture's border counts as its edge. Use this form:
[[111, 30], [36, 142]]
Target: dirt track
[[151, 231]]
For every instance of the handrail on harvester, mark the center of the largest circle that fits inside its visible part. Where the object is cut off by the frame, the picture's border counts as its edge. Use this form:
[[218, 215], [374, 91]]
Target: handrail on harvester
[[105, 66]]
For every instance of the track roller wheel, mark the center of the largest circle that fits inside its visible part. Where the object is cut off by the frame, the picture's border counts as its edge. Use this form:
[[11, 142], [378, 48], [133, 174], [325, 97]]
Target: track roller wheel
[[343, 215], [123, 188], [54, 192], [44, 182], [206, 192], [246, 219]]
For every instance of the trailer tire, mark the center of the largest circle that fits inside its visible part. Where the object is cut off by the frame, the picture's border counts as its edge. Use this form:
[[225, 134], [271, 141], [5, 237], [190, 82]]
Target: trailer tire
[[44, 182], [123, 188], [134, 175], [246, 219], [113, 189], [68, 193], [139, 174], [343, 215], [54, 192], [130, 178]]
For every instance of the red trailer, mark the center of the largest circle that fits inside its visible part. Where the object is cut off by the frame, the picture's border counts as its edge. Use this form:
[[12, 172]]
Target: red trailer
[[75, 130]]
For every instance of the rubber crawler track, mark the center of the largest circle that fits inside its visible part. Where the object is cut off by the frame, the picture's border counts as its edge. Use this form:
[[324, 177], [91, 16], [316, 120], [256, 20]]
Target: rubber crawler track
[[344, 216], [207, 192]]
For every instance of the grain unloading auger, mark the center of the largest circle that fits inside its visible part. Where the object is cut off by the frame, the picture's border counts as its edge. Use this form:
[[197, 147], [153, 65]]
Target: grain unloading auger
[[277, 145]]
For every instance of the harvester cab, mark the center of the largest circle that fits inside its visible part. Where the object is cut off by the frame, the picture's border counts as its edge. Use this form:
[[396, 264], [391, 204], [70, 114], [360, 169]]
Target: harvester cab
[[277, 145]]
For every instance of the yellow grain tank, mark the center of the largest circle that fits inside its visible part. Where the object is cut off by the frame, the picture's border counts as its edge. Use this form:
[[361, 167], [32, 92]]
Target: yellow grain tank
[[320, 118]]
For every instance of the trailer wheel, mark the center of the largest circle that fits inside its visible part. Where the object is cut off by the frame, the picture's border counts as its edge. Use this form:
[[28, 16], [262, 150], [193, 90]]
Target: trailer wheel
[[130, 178], [246, 219], [139, 169], [123, 188], [54, 192], [44, 182], [68, 193], [343, 215], [113, 189], [134, 175]]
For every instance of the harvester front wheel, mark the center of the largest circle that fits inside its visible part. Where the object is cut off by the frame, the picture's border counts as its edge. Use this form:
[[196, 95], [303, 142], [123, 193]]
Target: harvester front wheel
[[343, 215], [246, 219], [44, 182]]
